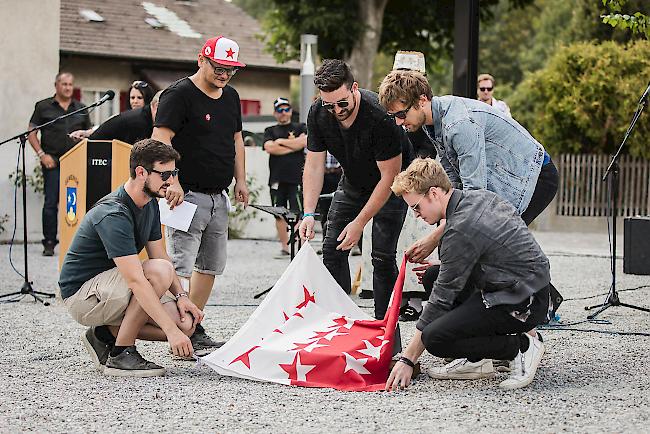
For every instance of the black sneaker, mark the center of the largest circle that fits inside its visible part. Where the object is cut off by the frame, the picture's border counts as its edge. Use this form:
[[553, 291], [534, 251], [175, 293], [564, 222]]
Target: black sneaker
[[202, 343], [129, 363], [408, 313], [97, 349], [366, 294], [48, 248]]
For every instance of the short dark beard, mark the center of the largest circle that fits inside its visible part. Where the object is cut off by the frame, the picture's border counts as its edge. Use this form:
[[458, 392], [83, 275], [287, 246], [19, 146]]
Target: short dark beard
[[349, 110], [149, 192]]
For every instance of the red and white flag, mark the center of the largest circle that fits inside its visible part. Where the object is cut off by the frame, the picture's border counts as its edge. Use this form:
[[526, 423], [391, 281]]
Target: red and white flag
[[308, 332]]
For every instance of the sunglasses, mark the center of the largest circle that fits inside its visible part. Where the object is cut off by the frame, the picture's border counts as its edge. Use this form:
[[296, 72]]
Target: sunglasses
[[400, 114], [329, 106], [218, 70], [283, 109], [416, 207], [486, 89], [138, 84], [165, 175]]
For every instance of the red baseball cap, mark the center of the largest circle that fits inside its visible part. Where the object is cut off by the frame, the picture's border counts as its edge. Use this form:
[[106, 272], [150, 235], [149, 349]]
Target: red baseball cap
[[222, 50]]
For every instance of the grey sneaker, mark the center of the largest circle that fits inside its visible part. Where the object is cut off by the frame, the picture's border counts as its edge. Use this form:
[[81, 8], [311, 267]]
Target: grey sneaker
[[97, 349], [524, 366], [129, 363], [463, 369]]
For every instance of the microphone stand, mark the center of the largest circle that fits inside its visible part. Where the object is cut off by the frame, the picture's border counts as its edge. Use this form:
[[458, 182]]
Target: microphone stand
[[27, 288], [612, 173]]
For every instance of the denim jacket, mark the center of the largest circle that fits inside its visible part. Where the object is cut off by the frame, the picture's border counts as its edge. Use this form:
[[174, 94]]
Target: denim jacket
[[481, 148], [485, 246]]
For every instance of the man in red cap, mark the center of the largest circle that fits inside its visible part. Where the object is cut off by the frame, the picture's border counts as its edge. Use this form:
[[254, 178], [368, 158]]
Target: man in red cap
[[200, 116]]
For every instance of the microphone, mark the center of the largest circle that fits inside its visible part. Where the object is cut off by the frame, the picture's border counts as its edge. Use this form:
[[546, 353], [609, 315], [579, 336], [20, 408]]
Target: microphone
[[108, 95]]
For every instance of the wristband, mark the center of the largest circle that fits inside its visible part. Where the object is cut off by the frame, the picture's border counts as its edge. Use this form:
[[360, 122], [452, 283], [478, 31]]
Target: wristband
[[309, 214], [181, 294], [40, 153], [407, 361]]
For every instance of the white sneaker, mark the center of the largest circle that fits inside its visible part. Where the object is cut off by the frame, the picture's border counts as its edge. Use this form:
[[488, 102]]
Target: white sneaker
[[463, 369], [524, 366]]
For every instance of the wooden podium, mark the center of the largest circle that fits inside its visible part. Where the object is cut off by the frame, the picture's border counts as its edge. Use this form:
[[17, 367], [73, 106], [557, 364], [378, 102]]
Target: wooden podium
[[89, 171]]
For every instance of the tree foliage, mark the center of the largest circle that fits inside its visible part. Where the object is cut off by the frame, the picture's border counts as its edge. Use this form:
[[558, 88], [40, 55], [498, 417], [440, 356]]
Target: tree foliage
[[407, 25], [637, 22], [584, 99]]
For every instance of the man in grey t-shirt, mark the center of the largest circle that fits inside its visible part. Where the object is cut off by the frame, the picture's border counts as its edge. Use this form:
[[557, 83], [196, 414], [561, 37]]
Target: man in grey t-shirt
[[106, 287]]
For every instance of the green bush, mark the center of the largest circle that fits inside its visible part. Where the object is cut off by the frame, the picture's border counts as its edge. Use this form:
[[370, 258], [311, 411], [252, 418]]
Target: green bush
[[584, 99]]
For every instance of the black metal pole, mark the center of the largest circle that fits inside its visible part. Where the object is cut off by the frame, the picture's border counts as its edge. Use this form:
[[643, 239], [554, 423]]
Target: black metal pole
[[466, 30], [612, 173]]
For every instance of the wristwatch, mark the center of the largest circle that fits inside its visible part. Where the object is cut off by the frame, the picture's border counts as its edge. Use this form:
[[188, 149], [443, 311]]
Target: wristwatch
[[181, 294]]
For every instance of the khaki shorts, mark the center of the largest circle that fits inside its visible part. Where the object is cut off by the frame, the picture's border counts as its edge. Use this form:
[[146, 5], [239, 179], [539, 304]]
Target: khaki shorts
[[103, 300]]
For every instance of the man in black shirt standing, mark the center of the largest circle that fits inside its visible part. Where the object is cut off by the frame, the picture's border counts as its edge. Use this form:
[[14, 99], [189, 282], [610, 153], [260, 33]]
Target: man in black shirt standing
[[285, 143], [200, 116], [55, 142], [350, 124]]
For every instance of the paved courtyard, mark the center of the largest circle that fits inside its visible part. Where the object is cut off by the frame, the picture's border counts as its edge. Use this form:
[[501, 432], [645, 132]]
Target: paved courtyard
[[591, 378]]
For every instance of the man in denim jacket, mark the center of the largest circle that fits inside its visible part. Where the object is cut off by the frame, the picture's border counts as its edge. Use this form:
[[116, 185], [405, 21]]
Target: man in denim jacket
[[479, 146]]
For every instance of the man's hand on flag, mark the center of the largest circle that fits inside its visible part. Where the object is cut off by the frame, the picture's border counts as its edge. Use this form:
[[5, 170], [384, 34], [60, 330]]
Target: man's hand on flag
[[185, 306], [306, 228], [400, 377]]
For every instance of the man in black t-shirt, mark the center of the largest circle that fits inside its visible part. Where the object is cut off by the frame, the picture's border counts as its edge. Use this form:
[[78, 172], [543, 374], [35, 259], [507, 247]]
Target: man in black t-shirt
[[200, 116], [106, 287], [129, 126], [285, 143], [351, 124], [55, 142]]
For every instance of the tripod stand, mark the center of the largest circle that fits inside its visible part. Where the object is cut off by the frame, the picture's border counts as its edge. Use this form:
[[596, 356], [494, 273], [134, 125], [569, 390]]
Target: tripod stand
[[612, 174], [27, 288], [292, 220]]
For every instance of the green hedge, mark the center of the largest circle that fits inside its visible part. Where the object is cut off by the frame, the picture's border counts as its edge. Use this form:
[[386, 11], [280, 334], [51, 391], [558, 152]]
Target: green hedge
[[585, 97]]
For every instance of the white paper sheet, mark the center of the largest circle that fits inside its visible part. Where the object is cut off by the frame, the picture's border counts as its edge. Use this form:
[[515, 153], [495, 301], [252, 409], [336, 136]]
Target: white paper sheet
[[178, 218]]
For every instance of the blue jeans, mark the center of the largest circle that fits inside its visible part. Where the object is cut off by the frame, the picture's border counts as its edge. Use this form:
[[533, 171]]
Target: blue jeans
[[386, 227], [51, 204]]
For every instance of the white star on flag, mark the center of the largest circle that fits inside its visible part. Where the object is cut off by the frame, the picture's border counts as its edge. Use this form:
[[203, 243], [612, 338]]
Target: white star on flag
[[302, 370], [355, 364], [371, 350], [348, 323], [331, 335]]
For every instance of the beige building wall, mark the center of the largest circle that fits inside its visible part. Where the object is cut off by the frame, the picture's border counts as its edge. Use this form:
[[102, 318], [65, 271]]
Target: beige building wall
[[264, 86], [29, 62]]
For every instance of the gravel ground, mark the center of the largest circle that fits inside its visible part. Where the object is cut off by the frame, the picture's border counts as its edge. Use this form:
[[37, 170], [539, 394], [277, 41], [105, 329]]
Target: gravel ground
[[589, 381]]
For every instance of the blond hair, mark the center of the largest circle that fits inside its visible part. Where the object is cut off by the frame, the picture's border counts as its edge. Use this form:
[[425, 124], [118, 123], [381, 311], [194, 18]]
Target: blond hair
[[485, 77], [405, 87], [420, 176]]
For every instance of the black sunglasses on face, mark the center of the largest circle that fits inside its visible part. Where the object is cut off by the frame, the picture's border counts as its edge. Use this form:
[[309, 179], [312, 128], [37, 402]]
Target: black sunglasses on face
[[329, 106], [166, 174], [400, 114], [486, 89], [283, 109], [218, 70]]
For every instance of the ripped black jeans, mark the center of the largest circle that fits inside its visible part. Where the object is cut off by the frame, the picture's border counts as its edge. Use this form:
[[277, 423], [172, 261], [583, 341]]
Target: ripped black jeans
[[386, 228]]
